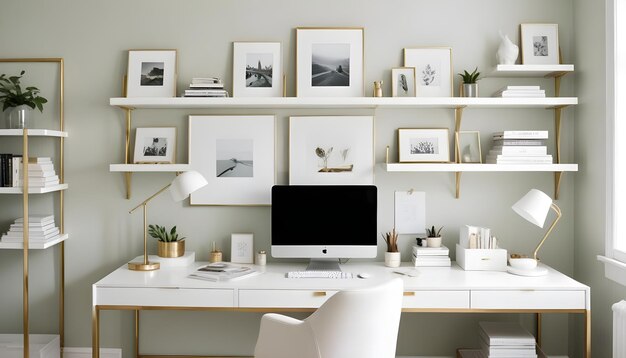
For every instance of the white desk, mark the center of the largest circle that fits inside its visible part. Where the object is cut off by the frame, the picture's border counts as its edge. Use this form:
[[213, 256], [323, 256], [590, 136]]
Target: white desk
[[436, 289]]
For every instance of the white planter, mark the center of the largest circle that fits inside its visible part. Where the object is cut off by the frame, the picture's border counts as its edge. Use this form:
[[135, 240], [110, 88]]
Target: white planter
[[392, 259], [434, 241]]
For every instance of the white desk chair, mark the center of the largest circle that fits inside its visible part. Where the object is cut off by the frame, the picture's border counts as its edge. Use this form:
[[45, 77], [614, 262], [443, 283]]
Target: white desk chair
[[356, 323]]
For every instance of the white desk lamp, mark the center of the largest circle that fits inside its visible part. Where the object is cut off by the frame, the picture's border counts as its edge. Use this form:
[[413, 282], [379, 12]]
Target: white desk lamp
[[180, 188], [534, 207]]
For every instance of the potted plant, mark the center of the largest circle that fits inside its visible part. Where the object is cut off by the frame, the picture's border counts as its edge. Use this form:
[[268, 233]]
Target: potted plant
[[169, 244], [18, 103], [392, 255], [433, 238], [469, 87]]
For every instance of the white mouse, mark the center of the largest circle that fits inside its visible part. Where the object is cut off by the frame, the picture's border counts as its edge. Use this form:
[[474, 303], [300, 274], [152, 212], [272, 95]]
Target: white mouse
[[364, 275]]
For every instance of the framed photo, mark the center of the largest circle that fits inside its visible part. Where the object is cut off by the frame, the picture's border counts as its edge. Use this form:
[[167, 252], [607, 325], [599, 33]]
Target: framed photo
[[331, 150], [329, 62], [155, 145], [403, 82], [540, 44], [433, 70], [151, 73], [423, 145], [236, 156], [241, 248], [468, 147], [257, 70]]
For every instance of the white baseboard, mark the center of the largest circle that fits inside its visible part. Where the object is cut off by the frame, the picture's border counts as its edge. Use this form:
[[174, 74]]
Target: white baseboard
[[72, 352]]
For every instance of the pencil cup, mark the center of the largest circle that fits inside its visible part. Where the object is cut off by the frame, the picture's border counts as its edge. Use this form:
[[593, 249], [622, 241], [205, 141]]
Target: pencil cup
[[215, 256]]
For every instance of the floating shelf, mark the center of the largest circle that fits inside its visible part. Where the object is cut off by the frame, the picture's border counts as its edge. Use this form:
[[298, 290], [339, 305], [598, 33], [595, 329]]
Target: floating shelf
[[34, 245], [341, 102], [19, 190], [549, 71], [32, 133], [455, 167], [149, 167]]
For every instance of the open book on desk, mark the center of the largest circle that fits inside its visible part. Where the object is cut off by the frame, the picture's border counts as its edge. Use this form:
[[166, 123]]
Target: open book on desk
[[223, 271]]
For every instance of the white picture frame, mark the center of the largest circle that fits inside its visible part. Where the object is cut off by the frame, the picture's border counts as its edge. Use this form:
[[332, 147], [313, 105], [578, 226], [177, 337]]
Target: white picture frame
[[422, 145], [151, 73], [403, 82], [250, 81], [433, 70], [236, 156], [321, 58], [351, 159], [540, 44], [155, 145], [468, 148], [242, 248]]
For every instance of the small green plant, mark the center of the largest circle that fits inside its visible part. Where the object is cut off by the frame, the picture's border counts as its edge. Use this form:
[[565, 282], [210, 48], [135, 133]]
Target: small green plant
[[161, 233], [432, 232], [12, 95], [470, 77]]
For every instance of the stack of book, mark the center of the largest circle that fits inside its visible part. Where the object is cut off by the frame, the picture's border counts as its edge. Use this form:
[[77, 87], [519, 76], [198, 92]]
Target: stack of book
[[9, 165], [41, 173], [519, 147], [520, 91], [41, 229], [206, 87], [222, 271], [506, 339], [430, 256]]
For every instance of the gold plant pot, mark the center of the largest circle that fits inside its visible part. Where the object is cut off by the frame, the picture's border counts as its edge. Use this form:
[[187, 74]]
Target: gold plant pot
[[171, 249]]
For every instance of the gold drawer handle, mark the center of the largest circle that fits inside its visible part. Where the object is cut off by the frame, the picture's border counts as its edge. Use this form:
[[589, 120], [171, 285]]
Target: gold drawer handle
[[485, 259], [319, 293], [406, 293]]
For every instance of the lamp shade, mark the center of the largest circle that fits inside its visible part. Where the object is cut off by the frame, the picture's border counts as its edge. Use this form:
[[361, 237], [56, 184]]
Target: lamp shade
[[534, 207], [185, 184]]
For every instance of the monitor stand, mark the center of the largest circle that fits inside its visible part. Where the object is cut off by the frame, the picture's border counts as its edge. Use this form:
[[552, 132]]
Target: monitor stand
[[323, 265]]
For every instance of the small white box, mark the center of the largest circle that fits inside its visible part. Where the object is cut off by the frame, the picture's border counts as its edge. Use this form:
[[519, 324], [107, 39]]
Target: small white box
[[40, 346], [481, 259]]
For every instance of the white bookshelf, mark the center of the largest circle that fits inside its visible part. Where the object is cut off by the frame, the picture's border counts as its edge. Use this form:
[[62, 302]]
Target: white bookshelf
[[129, 168], [20, 190], [549, 71], [455, 167], [32, 133], [34, 245]]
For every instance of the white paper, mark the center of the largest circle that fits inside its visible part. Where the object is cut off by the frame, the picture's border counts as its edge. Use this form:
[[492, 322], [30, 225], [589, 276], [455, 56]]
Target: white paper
[[410, 212]]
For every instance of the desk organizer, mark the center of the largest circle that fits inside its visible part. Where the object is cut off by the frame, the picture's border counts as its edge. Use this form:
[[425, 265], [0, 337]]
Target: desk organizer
[[481, 259]]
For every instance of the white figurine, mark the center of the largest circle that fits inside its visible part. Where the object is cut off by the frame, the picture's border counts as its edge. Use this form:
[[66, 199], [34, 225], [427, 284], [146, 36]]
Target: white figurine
[[507, 51]]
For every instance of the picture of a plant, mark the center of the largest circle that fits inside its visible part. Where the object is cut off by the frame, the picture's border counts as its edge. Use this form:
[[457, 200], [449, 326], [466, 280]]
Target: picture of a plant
[[423, 146], [325, 155], [428, 75]]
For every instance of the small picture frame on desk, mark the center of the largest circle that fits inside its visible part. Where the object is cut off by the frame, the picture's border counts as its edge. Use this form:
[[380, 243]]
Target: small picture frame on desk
[[155, 145], [242, 248]]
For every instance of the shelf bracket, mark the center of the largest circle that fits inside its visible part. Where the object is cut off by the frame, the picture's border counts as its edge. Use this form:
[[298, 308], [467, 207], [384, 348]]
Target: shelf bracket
[[458, 117], [557, 129], [557, 85], [557, 184], [457, 176]]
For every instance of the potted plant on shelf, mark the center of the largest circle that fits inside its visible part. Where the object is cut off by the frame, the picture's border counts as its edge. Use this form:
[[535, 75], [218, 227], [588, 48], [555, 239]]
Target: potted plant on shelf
[[469, 87], [392, 255], [18, 103], [169, 244], [433, 238]]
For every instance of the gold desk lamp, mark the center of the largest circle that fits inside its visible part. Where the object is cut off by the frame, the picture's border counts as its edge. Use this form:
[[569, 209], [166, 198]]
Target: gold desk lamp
[[180, 188], [534, 207]]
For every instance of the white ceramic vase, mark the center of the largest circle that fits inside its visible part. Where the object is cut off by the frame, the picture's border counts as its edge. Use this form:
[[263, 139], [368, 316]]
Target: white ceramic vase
[[434, 241], [507, 51], [392, 259]]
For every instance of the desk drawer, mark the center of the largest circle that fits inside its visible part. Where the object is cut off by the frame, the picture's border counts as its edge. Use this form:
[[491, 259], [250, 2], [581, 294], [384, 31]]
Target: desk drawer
[[180, 297], [283, 298], [436, 299], [530, 299]]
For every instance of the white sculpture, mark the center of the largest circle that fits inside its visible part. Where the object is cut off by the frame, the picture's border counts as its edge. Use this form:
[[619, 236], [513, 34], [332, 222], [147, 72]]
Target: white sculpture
[[507, 51]]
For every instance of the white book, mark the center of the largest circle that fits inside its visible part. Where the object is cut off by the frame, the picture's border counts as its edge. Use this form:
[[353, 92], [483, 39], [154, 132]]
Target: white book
[[41, 179], [8, 239], [41, 219], [37, 227], [522, 95], [41, 160], [505, 333], [431, 258], [38, 167], [40, 173], [206, 80], [432, 264], [518, 142], [430, 251], [519, 150], [509, 352], [18, 237], [521, 134], [503, 159], [520, 88], [206, 85], [40, 184]]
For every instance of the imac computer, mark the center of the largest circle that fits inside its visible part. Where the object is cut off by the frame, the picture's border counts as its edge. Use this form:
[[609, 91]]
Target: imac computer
[[324, 223]]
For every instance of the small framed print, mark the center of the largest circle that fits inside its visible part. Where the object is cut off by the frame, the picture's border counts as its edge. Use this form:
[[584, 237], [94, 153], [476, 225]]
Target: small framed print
[[151, 73], [257, 70], [241, 248], [155, 145], [433, 70], [468, 147], [423, 145], [403, 82], [329, 62], [540, 44]]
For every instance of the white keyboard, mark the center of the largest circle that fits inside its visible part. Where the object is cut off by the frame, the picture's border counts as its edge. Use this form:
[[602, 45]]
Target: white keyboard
[[320, 274]]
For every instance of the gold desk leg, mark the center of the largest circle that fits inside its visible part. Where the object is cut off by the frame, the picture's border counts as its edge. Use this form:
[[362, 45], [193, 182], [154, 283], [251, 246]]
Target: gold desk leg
[[95, 331], [136, 333], [538, 323], [587, 345]]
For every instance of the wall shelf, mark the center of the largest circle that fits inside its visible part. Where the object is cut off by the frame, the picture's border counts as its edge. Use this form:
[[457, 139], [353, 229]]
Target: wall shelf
[[34, 245], [548, 71], [456, 167], [49, 189], [134, 168], [33, 133]]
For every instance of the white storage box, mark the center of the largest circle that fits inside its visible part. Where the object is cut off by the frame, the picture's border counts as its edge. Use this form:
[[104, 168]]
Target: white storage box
[[41, 346], [481, 259]]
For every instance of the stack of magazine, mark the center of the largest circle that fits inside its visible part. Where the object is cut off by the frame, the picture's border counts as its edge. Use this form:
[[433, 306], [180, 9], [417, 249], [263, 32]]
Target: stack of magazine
[[223, 271], [519, 147], [506, 340], [206, 87]]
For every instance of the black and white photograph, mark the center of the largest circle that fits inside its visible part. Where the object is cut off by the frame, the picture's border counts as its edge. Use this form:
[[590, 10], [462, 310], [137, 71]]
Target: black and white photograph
[[235, 153], [329, 62], [334, 161], [257, 69], [151, 73], [403, 82], [540, 44], [433, 70], [423, 145], [330, 65], [234, 158], [155, 145]]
